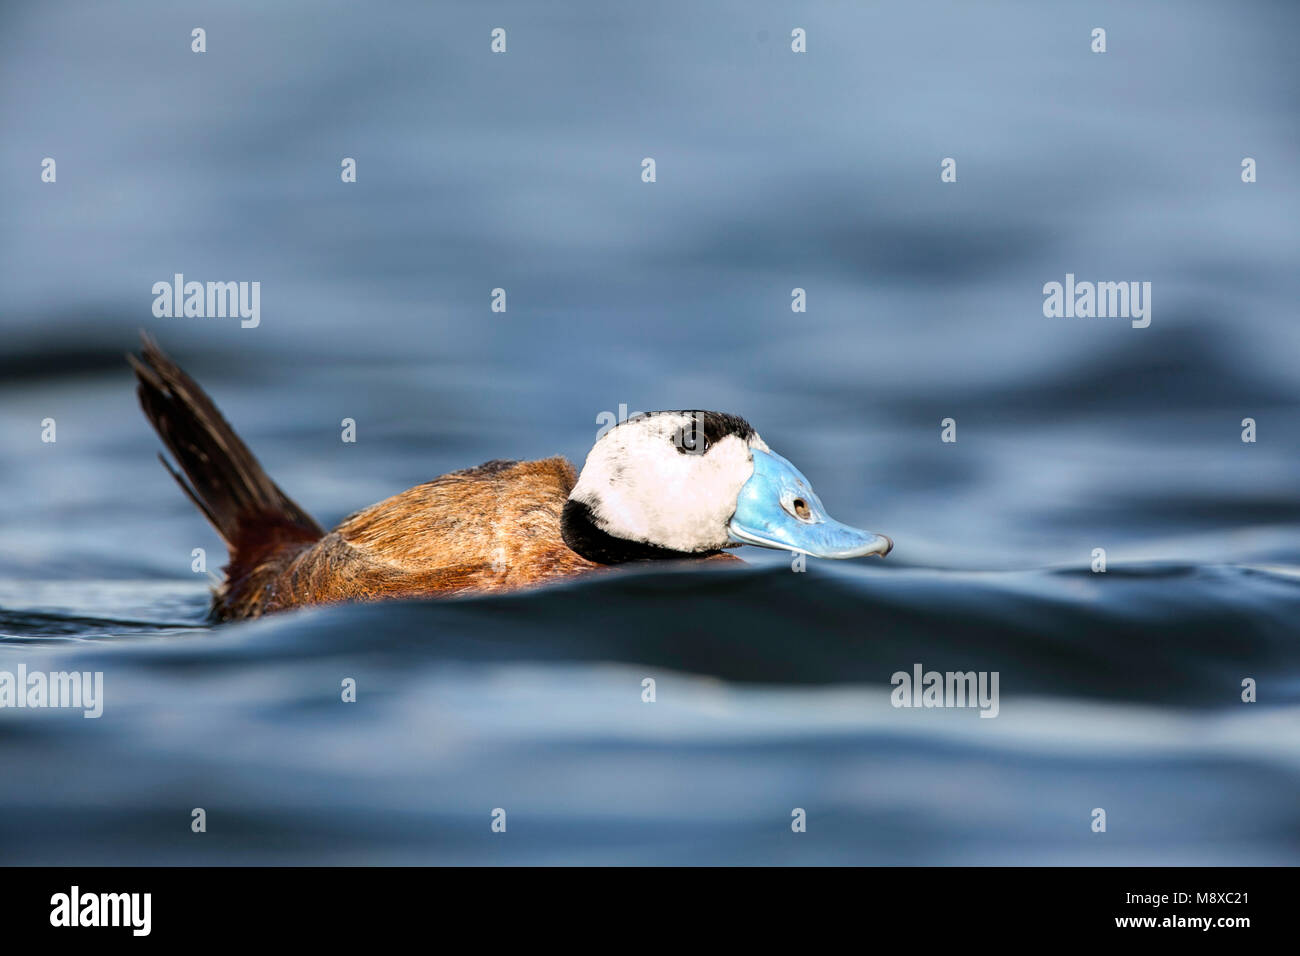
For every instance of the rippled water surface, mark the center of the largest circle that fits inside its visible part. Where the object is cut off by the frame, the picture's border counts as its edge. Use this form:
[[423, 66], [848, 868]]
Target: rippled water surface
[[1119, 691]]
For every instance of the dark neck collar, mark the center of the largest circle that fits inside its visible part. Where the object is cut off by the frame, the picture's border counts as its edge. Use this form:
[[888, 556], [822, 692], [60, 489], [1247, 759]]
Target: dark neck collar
[[581, 533]]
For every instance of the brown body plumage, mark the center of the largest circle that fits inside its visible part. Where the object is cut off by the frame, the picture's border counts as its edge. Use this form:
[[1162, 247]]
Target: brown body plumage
[[491, 528], [496, 527]]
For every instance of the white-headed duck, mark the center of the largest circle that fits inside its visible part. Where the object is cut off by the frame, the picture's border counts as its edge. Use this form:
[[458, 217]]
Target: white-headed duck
[[664, 485]]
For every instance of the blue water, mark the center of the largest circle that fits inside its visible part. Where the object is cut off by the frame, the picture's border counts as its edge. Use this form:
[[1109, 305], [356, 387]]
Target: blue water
[[522, 171]]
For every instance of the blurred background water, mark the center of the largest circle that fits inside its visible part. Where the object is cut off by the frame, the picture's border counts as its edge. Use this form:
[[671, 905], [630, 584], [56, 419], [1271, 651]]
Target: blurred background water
[[774, 171]]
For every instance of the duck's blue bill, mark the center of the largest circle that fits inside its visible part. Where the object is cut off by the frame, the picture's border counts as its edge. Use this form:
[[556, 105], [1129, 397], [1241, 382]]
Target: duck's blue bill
[[777, 508]]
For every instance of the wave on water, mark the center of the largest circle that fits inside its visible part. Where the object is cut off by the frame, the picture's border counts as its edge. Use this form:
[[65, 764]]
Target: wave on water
[[772, 691]]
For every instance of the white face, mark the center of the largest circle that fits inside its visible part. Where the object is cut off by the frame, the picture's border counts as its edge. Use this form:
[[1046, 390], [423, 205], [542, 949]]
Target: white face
[[652, 480]]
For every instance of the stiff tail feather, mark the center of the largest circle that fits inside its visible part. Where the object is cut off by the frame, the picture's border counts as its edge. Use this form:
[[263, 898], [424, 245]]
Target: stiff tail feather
[[221, 476]]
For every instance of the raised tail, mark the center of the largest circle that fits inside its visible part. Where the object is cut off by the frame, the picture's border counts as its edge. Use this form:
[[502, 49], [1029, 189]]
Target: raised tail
[[249, 511]]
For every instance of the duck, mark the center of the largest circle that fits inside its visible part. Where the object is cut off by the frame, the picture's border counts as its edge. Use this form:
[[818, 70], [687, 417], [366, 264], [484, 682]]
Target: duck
[[683, 486]]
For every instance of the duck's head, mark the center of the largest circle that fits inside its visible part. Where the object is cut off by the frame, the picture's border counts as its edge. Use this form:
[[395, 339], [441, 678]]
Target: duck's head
[[678, 484]]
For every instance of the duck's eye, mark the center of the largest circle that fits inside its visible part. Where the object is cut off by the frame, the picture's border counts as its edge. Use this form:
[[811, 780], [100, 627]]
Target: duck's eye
[[801, 509], [691, 440]]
